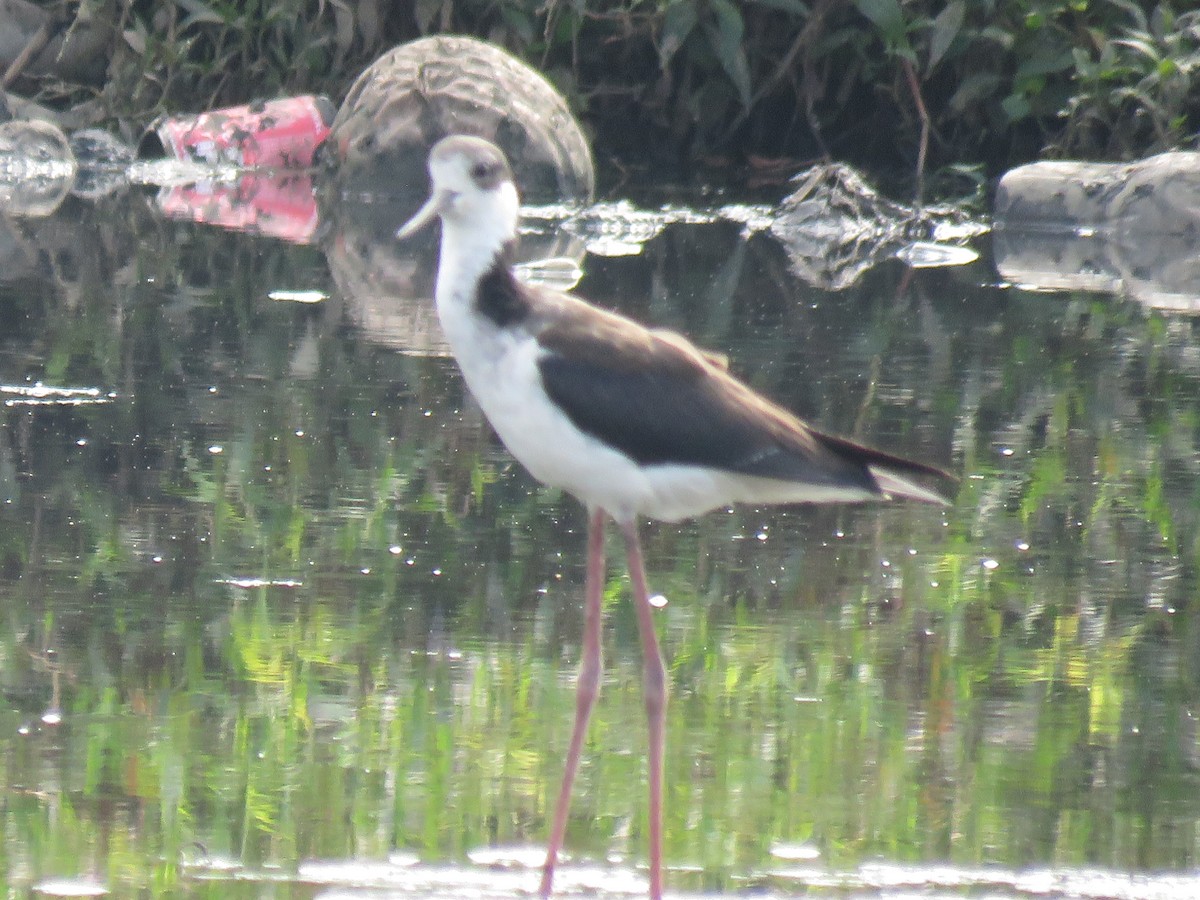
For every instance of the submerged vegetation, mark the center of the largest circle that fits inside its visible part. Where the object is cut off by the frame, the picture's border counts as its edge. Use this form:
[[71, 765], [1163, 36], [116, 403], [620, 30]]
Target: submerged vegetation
[[283, 600], [876, 82]]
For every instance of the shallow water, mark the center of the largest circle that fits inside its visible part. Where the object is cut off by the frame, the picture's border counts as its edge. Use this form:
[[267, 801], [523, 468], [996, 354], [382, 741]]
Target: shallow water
[[281, 618]]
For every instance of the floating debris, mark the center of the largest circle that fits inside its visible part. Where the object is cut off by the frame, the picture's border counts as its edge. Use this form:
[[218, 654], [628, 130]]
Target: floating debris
[[511, 857], [39, 394], [925, 255], [614, 229], [273, 134], [298, 296], [251, 583], [69, 887], [103, 159], [795, 851], [37, 167], [752, 217], [835, 227]]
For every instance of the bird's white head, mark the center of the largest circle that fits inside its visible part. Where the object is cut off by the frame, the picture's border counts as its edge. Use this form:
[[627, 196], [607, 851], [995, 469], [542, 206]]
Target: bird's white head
[[472, 191]]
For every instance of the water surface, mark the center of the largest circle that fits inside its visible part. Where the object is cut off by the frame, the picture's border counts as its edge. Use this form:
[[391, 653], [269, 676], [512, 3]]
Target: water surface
[[281, 618]]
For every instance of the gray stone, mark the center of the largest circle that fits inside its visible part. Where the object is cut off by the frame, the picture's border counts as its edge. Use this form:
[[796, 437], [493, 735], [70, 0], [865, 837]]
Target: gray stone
[[1131, 228], [421, 91]]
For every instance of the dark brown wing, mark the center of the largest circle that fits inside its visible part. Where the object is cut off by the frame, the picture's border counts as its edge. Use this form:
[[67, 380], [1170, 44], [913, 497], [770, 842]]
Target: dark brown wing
[[659, 400]]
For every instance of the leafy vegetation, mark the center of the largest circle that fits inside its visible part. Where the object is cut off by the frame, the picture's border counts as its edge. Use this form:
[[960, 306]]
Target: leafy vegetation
[[880, 82]]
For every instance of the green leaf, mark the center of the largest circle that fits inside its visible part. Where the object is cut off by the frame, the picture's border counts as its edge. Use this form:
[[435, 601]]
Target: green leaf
[[946, 27], [200, 12], [678, 22], [1045, 62], [135, 37], [1084, 67], [727, 42], [1015, 106], [426, 12], [974, 89], [790, 6], [1162, 22], [1001, 37], [1141, 46], [522, 25], [886, 15]]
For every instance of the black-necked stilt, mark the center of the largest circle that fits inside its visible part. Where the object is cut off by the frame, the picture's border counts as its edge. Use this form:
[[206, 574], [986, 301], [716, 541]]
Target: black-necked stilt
[[631, 420]]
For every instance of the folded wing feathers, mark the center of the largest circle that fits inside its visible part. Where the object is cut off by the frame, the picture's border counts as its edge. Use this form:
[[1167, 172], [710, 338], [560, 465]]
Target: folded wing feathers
[[644, 390]]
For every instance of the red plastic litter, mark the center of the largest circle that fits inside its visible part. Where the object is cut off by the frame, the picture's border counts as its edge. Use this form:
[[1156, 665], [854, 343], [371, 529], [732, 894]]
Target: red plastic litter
[[273, 134]]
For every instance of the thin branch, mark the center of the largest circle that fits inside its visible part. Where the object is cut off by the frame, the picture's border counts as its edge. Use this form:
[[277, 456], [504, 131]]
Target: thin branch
[[37, 41], [914, 87]]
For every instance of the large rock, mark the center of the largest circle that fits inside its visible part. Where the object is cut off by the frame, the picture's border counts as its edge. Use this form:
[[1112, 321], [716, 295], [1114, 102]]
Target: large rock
[[421, 91], [1130, 228]]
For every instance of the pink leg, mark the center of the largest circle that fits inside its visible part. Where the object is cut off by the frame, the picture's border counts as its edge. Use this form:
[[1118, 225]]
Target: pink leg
[[654, 683], [587, 688]]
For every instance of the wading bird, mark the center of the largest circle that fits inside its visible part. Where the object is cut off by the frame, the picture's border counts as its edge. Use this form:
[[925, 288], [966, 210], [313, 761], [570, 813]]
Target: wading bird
[[633, 421]]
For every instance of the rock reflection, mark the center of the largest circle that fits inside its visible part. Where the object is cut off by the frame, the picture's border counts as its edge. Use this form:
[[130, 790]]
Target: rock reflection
[[387, 285]]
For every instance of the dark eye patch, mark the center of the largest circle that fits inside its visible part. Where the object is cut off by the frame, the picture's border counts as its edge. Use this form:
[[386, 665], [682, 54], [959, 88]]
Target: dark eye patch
[[486, 173]]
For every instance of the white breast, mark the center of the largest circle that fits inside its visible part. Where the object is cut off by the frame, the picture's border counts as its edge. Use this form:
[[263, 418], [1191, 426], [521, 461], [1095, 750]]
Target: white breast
[[500, 368]]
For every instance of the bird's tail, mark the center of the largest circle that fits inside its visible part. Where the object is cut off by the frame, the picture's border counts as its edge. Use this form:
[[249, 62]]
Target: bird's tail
[[894, 484], [895, 475]]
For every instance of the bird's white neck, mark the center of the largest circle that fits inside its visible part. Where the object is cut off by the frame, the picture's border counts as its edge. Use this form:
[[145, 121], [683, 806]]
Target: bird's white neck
[[472, 239]]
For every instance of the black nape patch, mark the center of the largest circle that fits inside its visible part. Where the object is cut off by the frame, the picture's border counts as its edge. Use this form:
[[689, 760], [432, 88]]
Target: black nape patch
[[501, 297]]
